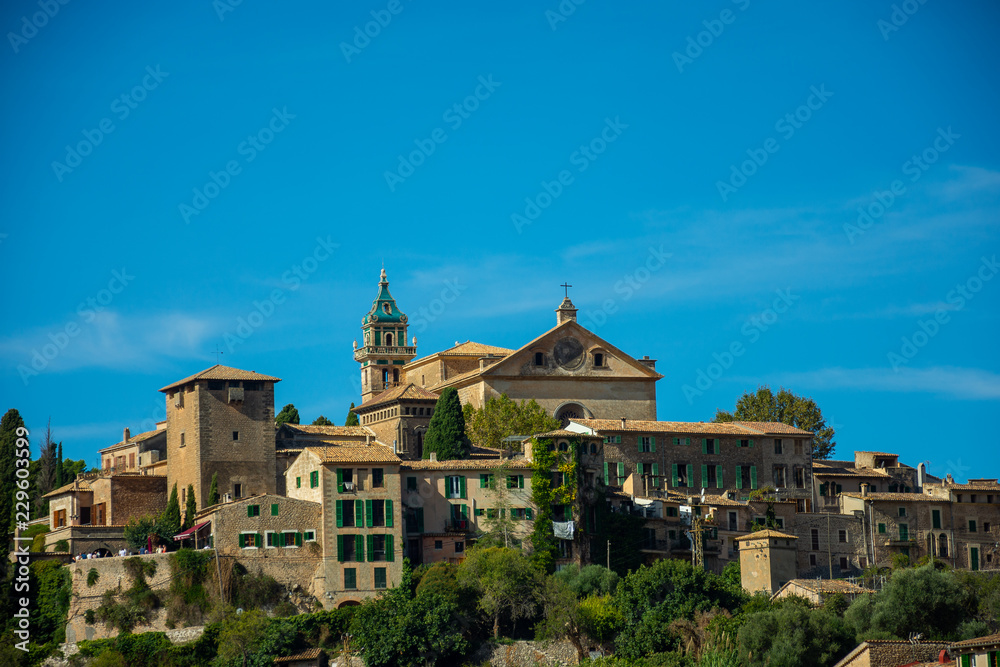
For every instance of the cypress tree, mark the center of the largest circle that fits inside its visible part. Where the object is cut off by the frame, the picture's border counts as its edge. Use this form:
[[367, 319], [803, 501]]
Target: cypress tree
[[446, 432], [213, 491], [352, 417], [170, 520], [59, 468], [9, 425], [190, 507]]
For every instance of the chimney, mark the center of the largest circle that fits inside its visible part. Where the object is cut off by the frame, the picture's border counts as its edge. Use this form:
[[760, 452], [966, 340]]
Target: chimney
[[647, 362], [921, 472], [864, 490], [126, 435], [434, 457], [623, 423]]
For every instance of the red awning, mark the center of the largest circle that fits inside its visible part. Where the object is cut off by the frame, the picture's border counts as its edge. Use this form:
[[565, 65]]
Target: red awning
[[191, 531]]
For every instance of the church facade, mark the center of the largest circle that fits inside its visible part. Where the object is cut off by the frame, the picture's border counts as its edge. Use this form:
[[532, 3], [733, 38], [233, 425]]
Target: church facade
[[570, 371]]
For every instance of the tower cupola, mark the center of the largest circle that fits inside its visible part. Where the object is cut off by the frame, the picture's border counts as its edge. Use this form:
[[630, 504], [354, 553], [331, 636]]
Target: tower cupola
[[384, 351]]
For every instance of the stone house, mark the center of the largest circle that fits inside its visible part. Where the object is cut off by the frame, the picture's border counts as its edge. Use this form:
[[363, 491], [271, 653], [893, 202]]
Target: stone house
[[818, 590], [358, 487], [689, 456], [978, 652], [291, 439], [221, 421], [90, 513], [882, 472], [135, 453], [975, 515], [895, 653], [400, 416]]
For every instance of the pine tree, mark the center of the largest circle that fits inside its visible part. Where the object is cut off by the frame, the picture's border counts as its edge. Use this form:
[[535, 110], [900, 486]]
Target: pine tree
[[213, 490], [170, 520], [190, 508], [446, 432], [288, 415], [352, 417]]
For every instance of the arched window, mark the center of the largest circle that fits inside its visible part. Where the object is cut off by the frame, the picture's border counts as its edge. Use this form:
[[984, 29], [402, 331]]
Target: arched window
[[387, 309], [563, 446], [388, 340], [395, 375], [943, 545]]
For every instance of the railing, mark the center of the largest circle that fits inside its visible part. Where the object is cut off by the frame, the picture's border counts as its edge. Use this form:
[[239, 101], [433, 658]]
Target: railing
[[364, 352], [461, 526]]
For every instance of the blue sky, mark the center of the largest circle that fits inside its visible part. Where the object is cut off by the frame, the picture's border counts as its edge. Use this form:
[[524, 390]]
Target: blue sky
[[690, 170]]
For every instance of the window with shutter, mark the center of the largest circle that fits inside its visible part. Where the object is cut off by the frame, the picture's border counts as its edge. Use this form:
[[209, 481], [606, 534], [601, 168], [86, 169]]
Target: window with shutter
[[621, 472], [340, 548], [673, 475], [340, 480], [274, 509], [371, 548], [314, 479], [369, 514], [388, 514], [340, 513], [718, 478], [690, 474], [704, 475], [359, 549], [390, 554], [753, 477]]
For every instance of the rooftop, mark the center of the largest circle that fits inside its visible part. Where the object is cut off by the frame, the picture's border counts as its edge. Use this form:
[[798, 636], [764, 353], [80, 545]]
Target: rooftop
[[828, 586], [308, 654], [135, 439], [761, 534], [897, 497], [220, 372], [354, 452], [467, 349], [332, 431], [80, 485], [477, 463], [408, 391], [710, 428], [988, 640]]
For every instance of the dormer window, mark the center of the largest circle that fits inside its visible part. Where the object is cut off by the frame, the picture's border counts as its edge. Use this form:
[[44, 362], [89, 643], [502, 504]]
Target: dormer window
[[539, 358], [598, 360]]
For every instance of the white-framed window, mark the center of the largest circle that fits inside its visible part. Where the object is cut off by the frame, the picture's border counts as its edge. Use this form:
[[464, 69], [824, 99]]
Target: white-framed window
[[250, 540], [270, 539], [309, 535], [289, 538], [454, 489]]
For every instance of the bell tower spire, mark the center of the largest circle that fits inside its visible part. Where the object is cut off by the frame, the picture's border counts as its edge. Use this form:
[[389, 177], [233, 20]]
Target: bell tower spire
[[385, 348]]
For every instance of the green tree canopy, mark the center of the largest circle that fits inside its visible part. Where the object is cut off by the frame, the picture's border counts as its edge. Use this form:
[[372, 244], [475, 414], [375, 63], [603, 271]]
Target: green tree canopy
[[921, 599], [11, 429], [792, 635], [501, 417], [322, 421], [352, 417], [446, 432], [508, 583], [288, 415], [785, 407]]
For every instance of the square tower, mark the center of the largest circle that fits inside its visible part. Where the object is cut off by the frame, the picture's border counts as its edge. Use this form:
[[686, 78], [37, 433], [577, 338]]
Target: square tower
[[221, 421], [385, 350], [767, 560]]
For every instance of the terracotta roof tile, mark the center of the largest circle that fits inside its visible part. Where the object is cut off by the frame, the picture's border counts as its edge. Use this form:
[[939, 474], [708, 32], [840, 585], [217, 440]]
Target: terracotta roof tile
[[408, 391], [135, 439], [851, 472], [354, 452], [987, 640], [974, 485], [220, 372], [901, 497], [467, 464], [760, 534], [722, 501], [466, 349], [562, 433], [334, 431], [709, 428], [829, 586], [84, 485], [308, 654]]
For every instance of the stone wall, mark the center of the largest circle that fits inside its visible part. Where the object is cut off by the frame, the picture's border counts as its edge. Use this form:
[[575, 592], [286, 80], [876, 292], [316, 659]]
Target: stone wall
[[133, 496], [526, 654]]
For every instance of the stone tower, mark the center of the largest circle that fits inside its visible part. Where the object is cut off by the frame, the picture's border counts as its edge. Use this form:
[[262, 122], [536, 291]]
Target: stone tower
[[221, 421], [385, 348], [767, 560]]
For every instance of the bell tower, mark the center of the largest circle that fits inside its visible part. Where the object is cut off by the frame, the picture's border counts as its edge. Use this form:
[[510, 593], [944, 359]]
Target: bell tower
[[385, 348]]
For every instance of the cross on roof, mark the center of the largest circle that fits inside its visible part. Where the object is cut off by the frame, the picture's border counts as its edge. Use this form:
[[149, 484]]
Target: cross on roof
[[566, 286]]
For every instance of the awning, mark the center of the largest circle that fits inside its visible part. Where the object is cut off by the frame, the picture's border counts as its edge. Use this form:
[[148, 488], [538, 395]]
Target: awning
[[191, 531]]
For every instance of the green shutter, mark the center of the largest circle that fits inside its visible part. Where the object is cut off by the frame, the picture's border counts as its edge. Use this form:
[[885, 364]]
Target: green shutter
[[529, 513], [465, 512], [388, 514], [751, 443], [340, 514], [340, 480], [369, 515], [673, 476], [359, 513], [621, 472], [420, 519], [718, 478], [607, 480], [298, 482], [739, 478], [704, 445], [484, 482], [638, 442], [340, 548], [411, 483], [371, 548], [461, 485], [656, 474], [652, 444], [258, 540], [390, 554], [704, 475], [520, 481], [280, 539], [687, 441], [690, 472], [249, 510], [359, 549], [298, 539], [753, 477], [677, 441], [274, 509]]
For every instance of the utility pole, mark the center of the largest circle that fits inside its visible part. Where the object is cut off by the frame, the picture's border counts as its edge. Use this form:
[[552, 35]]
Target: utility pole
[[829, 544]]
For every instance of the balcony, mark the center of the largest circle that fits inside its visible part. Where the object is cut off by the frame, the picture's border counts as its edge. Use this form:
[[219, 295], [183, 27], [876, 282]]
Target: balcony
[[903, 542], [363, 353], [457, 526]]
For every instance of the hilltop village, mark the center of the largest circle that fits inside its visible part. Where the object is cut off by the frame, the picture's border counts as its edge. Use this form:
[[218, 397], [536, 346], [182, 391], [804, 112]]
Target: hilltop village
[[333, 510]]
